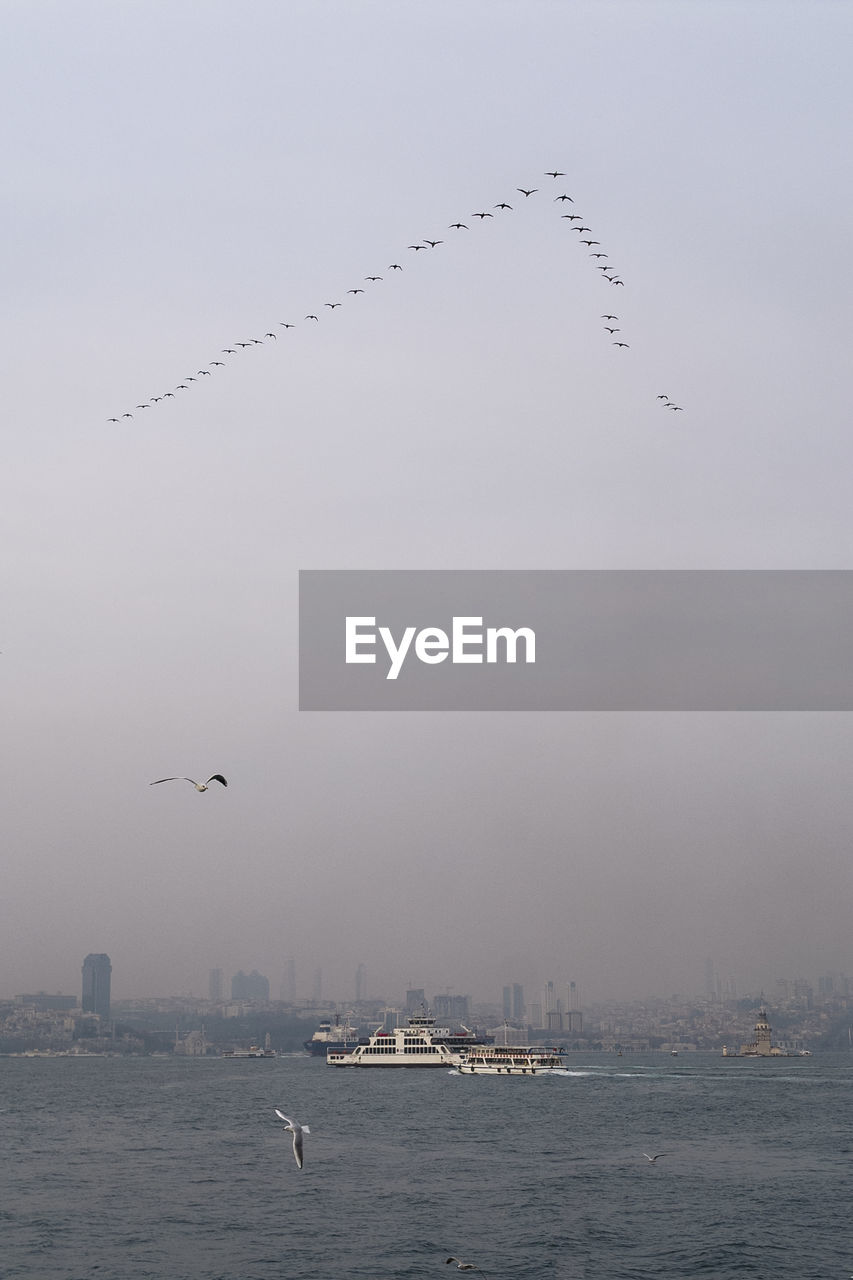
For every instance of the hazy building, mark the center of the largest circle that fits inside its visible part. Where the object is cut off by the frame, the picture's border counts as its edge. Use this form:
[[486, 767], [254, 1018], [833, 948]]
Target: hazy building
[[361, 983], [513, 1003], [250, 986], [96, 985], [454, 1009], [415, 1000], [215, 986], [517, 1002], [45, 1003]]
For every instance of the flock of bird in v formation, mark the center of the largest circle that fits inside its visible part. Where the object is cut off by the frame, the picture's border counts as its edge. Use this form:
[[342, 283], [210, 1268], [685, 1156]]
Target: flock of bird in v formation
[[575, 221]]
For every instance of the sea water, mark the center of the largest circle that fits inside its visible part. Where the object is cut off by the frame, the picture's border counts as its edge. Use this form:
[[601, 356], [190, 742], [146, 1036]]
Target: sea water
[[123, 1168]]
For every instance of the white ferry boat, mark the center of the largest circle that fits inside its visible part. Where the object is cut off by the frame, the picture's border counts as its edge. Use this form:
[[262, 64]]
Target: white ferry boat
[[511, 1060], [419, 1044], [253, 1051]]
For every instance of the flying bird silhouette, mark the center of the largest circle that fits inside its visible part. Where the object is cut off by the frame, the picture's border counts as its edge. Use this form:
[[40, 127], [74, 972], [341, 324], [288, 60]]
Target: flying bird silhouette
[[482, 215], [563, 197], [465, 1266], [554, 173], [394, 266], [297, 1130], [503, 205], [458, 226], [620, 344], [433, 243], [312, 317], [355, 291], [525, 192], [332, 304], [373, 277], [199, 786], [651, 1159]]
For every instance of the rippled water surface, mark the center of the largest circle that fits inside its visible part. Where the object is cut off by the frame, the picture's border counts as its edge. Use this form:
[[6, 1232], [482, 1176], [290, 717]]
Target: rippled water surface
[[128, 1168]]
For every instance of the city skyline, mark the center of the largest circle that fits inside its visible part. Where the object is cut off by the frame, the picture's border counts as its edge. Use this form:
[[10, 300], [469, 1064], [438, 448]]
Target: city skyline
[[564, 995]]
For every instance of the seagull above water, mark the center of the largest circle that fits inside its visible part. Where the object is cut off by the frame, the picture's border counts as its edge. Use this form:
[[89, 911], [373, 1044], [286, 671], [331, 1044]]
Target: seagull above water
[[651, 1159], [297, 1130], [464, 1266], [199, 786]]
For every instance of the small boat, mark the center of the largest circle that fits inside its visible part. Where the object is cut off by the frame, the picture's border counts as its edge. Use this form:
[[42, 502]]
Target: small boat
[[511, 1060]]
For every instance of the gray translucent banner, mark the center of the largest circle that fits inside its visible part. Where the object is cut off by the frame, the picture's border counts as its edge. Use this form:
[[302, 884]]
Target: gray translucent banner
[[576, 640]]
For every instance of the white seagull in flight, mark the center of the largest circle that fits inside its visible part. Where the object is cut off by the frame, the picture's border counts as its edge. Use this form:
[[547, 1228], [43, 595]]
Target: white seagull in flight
[[651, 1159], [297, 1130], [199, 786]]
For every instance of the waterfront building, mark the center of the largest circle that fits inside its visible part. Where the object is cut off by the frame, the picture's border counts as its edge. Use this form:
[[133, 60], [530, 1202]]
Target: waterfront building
[[761, 1046], [97, 969]]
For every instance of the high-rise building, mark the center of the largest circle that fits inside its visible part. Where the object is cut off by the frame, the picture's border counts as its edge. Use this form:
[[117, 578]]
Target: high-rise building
[[415, 1000], [250, 986], [517, 1002], [448, 1008], [214, 979], [361, 983], [96, 985], [507, 1003]]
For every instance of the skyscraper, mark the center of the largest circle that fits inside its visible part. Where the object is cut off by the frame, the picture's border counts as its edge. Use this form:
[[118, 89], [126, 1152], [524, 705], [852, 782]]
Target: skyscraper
[[96, 985], [215, 985]]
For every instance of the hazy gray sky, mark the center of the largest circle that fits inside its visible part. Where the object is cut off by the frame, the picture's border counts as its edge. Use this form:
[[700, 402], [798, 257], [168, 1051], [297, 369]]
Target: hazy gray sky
[[183, 176]]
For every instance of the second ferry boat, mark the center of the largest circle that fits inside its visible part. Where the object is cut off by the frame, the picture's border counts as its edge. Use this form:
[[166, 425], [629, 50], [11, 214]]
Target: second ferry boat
[[419, 1044]]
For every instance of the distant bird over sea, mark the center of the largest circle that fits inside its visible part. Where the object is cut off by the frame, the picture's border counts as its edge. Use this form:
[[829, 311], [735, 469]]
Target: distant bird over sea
[[465, 1266], [199, 786], [651, 1159], [297, 1130]]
